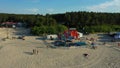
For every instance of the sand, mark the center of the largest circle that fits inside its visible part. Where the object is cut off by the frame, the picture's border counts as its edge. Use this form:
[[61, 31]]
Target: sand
[[17, 53]]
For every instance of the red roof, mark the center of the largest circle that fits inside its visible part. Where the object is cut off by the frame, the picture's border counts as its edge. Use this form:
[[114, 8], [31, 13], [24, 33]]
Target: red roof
[[9, 23]]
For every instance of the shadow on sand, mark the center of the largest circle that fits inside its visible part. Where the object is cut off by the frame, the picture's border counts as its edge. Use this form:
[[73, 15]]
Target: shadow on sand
[[40, 38], [29, 53]]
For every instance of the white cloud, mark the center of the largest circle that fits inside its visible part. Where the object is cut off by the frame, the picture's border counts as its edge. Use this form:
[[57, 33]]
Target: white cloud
[[32, 10], [50, 10], [109, 6]]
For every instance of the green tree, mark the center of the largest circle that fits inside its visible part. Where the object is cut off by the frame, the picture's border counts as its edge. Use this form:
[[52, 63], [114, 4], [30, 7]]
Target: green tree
[[61, 28]]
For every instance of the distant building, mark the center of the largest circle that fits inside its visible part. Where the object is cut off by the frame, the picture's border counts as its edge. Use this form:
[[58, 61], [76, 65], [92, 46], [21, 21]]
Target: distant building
[[72, 32], [8, 24], [12, 24]]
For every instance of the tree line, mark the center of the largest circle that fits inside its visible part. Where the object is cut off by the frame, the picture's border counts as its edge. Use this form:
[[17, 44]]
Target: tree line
[[83, 21], [39, 24], [90, 21]]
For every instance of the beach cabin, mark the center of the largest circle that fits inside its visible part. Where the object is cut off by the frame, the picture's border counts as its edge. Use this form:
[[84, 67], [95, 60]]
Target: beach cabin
[[72, 32], [9, 24]]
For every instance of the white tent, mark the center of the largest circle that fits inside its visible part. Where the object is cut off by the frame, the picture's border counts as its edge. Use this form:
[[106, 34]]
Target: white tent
[[80, 35], [117, 36], [54, 36]]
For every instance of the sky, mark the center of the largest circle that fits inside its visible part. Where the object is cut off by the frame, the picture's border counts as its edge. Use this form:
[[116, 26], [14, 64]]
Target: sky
[[58, 6]]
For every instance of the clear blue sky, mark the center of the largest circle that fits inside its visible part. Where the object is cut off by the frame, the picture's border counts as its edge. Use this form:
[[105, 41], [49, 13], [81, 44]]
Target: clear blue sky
[[57, 6]]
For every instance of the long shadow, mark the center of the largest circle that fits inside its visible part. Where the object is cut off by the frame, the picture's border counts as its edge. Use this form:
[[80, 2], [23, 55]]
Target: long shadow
[[29, 53], [40, 47], [40, 38]]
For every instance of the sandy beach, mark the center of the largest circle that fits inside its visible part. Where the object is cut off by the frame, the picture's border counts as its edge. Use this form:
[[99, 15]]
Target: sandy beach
[[18, 53]]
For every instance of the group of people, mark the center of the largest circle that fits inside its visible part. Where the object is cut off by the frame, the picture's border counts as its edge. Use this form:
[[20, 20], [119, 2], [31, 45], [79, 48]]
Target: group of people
[[35, 51], [92, 42]]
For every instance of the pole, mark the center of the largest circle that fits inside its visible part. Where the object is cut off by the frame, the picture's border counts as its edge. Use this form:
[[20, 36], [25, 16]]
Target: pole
[[7, 31]]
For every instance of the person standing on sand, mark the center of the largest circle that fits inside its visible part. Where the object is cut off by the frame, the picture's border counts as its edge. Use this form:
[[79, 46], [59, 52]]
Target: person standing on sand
[[119, 44], [93, 45], [35, 51]]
